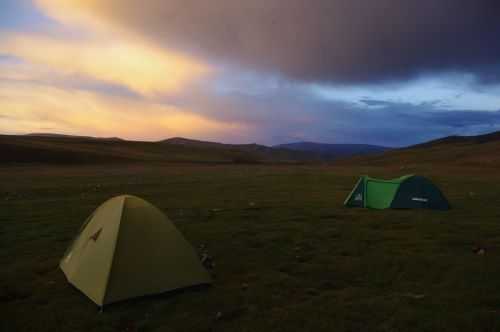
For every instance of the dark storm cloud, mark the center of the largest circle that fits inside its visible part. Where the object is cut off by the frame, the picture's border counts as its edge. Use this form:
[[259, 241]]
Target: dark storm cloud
[[282, 112], [347, 41], [375, 102], [465, 119], [401, 124]]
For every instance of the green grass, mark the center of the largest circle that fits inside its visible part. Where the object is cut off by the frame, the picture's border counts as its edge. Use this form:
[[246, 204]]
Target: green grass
[[289, 256]]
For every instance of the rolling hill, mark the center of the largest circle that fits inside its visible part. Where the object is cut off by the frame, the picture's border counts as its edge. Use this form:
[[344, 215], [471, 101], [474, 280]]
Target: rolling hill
[[74, 136], [475, 151], [481, 150], [334, 151], [64, 149]]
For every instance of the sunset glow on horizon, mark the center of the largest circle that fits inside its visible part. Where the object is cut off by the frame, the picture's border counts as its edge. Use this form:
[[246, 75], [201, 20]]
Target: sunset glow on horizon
[[243, 72]]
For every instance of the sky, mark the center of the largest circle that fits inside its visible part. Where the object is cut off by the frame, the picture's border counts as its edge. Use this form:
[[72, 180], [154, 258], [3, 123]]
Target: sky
[[386, 72]]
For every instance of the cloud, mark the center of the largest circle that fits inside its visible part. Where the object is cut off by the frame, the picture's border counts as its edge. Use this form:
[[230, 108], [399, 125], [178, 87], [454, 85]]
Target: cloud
[[137, 66], [241, 71], [237, 108], [28, 107], [401, 123], [325, 40], [18, 71], [473, 122], [280, 112]]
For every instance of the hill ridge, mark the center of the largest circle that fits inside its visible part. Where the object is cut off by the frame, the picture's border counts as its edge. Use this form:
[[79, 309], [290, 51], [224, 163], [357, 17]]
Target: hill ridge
[[335, 150], [455, 150]]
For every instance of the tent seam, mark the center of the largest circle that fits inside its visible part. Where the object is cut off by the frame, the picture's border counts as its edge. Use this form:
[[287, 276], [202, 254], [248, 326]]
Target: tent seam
[[114, 250], [352, 191]]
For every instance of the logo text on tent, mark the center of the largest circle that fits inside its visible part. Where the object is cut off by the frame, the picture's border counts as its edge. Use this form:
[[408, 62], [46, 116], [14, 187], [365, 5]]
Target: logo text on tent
[[419, 199], [96, 235]]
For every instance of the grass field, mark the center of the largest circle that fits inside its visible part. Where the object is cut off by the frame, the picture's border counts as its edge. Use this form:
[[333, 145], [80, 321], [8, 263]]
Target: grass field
[[289, 256]]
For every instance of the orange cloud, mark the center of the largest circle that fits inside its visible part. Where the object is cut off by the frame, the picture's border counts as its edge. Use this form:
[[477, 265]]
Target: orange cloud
[[81, 12], [141, 68], [27, 107], [39, 94]]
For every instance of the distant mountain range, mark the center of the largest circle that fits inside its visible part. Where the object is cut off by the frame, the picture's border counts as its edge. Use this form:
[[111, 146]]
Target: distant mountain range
[[334, 151], [246, 151], [481, 150], [317, 151], [67, 149]]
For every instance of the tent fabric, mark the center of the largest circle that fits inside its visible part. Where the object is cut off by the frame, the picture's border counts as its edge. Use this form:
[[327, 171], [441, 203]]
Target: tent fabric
[[406, 192], [128, 248], [379, 195], [419, 192]]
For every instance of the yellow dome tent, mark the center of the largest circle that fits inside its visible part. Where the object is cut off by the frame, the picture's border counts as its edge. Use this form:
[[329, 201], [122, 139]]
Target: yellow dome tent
[[128, 248]]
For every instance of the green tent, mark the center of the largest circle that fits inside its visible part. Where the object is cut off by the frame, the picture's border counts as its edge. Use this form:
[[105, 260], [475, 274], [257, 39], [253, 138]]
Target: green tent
[[406, 192], [128, 248]]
